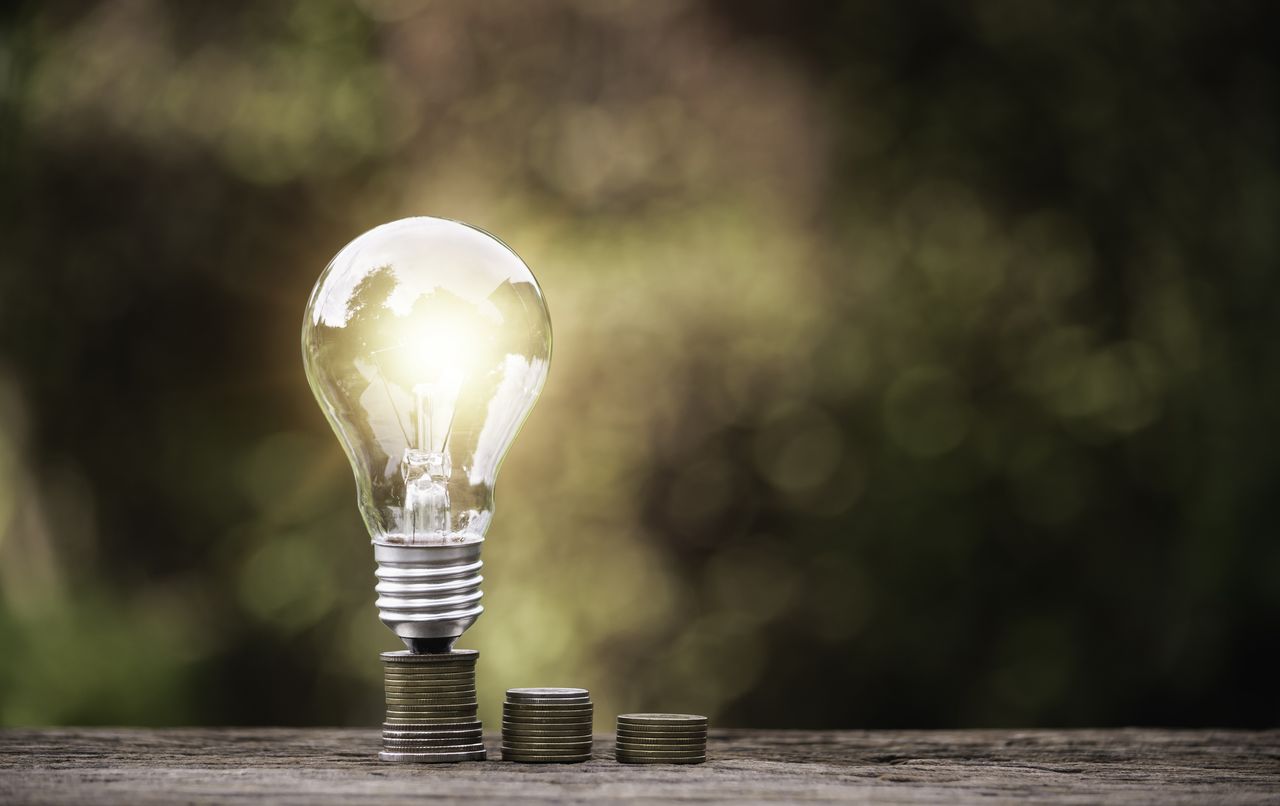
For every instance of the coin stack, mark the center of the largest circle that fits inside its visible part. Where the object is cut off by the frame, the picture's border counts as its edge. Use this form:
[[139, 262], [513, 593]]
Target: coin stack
[[431, 708], [546, 725], [661, 739]]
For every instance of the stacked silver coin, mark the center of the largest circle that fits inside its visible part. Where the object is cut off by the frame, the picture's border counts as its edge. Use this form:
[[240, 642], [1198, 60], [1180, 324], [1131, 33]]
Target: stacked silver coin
[[661, 739], [431, 708], [546, 725]]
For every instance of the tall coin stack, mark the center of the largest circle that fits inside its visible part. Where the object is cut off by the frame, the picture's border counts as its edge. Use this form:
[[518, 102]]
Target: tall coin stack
[[661, 739], [431, 708], [546, 725]]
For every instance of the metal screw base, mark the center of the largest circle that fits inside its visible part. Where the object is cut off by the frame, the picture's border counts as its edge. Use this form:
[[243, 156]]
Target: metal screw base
[[429, 595]]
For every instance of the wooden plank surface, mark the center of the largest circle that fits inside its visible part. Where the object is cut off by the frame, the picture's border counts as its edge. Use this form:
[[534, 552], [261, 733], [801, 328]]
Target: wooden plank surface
[[141, 766]]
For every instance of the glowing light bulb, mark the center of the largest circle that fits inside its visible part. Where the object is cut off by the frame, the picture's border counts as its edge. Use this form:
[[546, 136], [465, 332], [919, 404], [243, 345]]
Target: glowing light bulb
[[426, 343]]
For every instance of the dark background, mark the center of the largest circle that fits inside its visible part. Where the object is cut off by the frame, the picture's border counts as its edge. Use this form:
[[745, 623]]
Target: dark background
[[915, 362]]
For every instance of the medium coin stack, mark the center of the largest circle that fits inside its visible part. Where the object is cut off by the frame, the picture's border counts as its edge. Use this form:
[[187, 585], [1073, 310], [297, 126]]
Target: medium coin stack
[[546, 725], [431, 708], [661, 739]]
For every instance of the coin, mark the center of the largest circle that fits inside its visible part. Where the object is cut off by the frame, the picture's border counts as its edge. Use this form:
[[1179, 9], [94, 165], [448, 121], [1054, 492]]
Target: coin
[[576, 718], [549, 741], [661, 751], [405, 656], [437, 741], [663, 730], [429, 700], [446, 723], [429, 696], [546, 741], [431, 745], [459, 723], [462, 736], [550, 706], [456, 687], [640, 744], [624, 738], [433, 758], [550, 752], [632, 760], [548, 726], [523, 694], [548, 738], [469, 748], [442, 687], [430, 686], [427, 717], [430, 717], [661, 719], [533, 758], [428, 674], [563, 702], [546, 751], [567, 712], [427, 677], [448, 739], [543, 724], [535, 750]]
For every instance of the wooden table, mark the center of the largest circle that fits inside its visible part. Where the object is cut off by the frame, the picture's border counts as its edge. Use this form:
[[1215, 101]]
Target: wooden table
[[139, 766]]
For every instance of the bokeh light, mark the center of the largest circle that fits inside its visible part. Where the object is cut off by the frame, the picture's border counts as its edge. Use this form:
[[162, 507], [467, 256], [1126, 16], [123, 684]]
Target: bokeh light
[[915, 363]]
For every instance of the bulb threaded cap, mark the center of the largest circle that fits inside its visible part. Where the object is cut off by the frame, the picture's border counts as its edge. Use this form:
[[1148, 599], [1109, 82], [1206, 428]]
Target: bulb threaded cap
[[429, 595]]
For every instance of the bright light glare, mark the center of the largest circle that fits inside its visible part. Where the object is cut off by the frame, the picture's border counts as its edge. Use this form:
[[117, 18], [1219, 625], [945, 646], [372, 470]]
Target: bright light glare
[[439, 350]]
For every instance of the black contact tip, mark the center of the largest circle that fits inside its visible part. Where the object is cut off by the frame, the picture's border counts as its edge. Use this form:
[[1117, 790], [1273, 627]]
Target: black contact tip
[[430, 646]]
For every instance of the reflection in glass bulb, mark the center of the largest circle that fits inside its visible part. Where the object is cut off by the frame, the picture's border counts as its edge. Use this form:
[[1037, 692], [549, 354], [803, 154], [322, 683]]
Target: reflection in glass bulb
[[426, 343]]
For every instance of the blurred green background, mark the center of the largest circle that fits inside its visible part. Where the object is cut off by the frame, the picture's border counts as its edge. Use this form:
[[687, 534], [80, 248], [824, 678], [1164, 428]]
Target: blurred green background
[[916, 363]]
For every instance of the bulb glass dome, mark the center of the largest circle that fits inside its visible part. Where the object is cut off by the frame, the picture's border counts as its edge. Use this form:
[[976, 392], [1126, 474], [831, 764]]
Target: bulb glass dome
[[426, 343]]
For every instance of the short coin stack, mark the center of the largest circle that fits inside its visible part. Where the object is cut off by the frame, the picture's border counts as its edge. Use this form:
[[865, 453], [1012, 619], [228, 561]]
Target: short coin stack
[[661, 739], [431, 708], [546, 725]]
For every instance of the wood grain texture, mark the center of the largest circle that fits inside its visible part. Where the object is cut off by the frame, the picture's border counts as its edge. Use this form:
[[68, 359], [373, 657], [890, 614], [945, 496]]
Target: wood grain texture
[[140, 766]]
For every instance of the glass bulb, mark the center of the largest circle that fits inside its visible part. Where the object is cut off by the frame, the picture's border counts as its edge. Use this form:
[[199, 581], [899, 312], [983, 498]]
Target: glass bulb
[[426, 343]]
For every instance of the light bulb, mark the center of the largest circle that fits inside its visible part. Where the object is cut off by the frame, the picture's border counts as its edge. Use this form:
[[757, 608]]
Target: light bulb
[[426, 343]]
